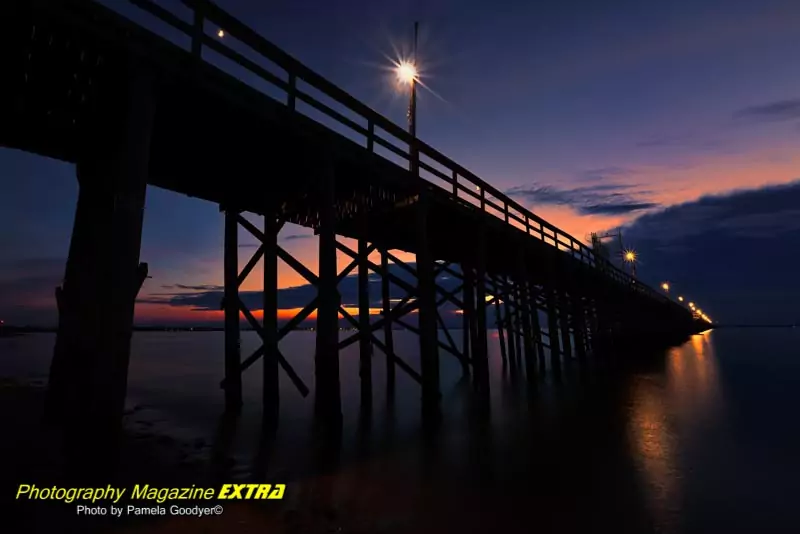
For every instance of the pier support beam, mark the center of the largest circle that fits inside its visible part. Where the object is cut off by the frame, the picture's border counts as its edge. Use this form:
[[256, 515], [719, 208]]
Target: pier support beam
[[327, 398], [552, 330], [271, 385], [469, 333], [499, 321], [536, 325], [480, 356], [388, 334], [233, 356], [89, 370], [527, 330], [509, 321], [365, 343], [564, 321], [428, 331], [579, 324]]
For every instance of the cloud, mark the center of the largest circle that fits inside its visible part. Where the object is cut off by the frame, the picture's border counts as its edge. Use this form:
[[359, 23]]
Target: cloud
[[734, 254], [202, 287], [292, 237], [605, 199], [778, 111], [621, 208], [249, 245], [300, 296]]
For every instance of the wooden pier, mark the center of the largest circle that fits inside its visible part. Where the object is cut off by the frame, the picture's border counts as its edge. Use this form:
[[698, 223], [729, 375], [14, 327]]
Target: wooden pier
[[131, 109]]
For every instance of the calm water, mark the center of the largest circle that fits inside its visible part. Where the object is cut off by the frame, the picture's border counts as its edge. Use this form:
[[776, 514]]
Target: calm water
[[705, 438]]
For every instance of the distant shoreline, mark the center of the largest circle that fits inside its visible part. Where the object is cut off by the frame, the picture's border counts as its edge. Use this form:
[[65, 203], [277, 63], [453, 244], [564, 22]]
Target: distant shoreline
[[12, 331]]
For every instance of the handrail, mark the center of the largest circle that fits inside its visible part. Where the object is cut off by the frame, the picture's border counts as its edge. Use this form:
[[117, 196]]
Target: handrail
[[455, 176]]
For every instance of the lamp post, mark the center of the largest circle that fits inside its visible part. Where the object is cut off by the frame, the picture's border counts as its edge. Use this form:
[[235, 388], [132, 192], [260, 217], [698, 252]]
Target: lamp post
[[407, 73], [629, 256]]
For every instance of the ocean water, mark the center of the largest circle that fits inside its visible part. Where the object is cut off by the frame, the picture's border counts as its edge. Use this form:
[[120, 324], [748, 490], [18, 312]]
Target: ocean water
[[703, 438]]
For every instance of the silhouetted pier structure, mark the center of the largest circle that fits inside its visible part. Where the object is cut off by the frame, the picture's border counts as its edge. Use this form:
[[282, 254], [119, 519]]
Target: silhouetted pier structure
[[130, 108]]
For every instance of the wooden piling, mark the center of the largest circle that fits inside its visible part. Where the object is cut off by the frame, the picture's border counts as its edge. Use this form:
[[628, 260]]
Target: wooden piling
[[564, 320], [469, 332], [233, 357], [499, 321], [527, 331], [388, 334], [89, 372], [536, 325], [327, 399], [579, 325], [480, 356], [552, 330], [271, 387], [428, 336], [518, 322], [365, 342], [509, 319]]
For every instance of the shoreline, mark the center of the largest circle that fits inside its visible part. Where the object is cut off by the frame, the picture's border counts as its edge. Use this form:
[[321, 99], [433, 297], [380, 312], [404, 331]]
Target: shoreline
[[29, 457]]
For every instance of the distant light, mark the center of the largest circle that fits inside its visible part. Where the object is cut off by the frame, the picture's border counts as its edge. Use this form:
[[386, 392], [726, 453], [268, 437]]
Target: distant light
[[691, 304], [220, 33], [699, 311], [406, 72], [665, 286], [680, 299], [629, 256]]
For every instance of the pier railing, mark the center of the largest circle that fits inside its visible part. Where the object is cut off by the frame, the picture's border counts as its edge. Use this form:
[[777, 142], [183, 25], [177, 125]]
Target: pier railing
[[372, 128]]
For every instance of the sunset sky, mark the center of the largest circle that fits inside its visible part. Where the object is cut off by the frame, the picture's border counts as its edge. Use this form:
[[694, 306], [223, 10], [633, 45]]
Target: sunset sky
[[679, 120]]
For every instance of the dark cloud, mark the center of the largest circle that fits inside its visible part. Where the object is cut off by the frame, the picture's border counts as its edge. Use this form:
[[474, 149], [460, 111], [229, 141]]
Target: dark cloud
[[292, 237], [608, 199], [617, 209], [780, 110], [300, 296], [203, 287], [735, 254]]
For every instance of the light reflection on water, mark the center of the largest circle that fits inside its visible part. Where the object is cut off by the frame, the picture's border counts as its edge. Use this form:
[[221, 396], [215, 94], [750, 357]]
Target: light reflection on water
[[650, 448]]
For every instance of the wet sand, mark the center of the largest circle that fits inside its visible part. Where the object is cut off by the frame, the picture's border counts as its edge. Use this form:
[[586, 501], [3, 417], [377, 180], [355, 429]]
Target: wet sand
[[383, 491], [29, 456]]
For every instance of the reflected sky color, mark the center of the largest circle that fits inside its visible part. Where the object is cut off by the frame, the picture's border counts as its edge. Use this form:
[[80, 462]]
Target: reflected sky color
[[591, 114], [685, 397], [655, 448]]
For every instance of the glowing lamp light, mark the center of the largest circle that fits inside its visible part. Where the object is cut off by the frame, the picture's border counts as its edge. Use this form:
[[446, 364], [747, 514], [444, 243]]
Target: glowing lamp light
[[220, 33], [691, 304], [680, 299], [406, 72], [630, 256]]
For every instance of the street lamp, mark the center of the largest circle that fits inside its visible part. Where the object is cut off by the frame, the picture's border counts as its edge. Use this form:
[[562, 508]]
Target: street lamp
[[629, 256], [408, 74]]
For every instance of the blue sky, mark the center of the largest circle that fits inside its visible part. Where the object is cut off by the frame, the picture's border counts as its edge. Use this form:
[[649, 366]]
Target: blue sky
[[593, 114]]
